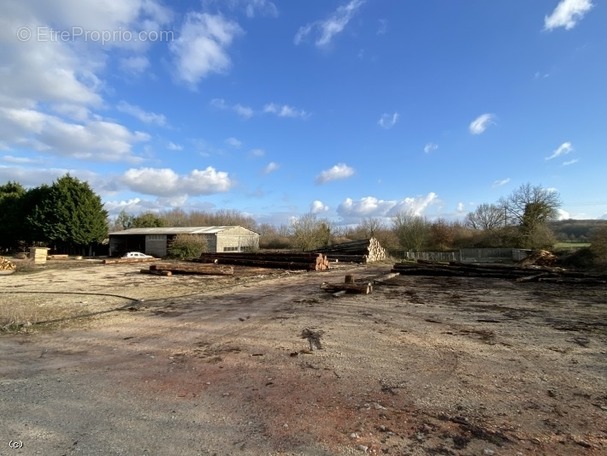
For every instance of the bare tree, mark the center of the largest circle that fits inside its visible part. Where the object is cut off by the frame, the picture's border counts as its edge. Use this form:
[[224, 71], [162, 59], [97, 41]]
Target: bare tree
[[529, 205], [531, 208], [412, 230], [371, 226], [310, 233], [486, 217]]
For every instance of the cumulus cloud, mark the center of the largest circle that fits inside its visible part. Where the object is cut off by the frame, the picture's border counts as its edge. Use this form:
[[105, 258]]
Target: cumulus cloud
[[324, 31], [567, 14], [166, 183], [143, 116], [500, 183], [317, 207], [371, 206], [430, 147], [339, 171], [201, 47], [174, 147], [387, 121], [285, 111], [243, 111], [563, 149], [33, 177], [271, 167], [94, 139], [481, 123]]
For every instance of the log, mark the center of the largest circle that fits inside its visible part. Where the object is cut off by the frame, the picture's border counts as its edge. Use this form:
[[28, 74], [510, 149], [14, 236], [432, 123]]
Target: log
[[57, 257], [367, 250], [159, 273], [292, 261], [128, 260], [200, 269], [521, 275], [364, 288]]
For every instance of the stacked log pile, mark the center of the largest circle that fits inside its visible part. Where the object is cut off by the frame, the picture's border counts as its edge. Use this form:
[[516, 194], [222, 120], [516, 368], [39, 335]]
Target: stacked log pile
[[128, 260], [168, 269], [7, 266], [363, 251], [520, 274], [292, 261]]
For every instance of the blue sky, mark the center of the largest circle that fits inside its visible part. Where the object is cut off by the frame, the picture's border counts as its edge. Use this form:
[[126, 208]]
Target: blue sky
[[348, 109]]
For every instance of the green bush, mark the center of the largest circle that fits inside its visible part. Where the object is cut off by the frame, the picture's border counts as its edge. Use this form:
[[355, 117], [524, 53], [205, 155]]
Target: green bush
[[187, 246]]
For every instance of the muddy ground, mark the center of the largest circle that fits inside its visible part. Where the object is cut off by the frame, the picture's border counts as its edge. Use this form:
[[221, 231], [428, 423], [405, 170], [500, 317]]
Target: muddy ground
[[132, 364]]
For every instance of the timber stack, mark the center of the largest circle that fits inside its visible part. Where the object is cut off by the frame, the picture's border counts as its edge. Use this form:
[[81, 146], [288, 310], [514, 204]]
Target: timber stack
[[7, 265], [498, 271], [293, 260], [362, 251], [168, 269]]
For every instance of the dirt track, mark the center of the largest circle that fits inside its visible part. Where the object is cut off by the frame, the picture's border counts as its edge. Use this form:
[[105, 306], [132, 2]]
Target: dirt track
[[203, 366]]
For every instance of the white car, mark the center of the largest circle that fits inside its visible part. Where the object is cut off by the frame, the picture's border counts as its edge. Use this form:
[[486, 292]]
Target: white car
[[136, 255]]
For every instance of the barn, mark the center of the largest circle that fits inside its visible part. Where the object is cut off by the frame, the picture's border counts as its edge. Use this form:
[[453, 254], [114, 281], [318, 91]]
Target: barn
[[156, 241]]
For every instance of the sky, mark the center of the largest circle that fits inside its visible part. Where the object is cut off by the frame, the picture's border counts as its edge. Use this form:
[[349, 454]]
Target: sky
[[347, 109]]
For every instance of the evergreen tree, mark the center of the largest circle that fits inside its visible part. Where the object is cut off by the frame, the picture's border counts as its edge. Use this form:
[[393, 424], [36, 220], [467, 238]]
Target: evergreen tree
[[12, 222], [69, 215]]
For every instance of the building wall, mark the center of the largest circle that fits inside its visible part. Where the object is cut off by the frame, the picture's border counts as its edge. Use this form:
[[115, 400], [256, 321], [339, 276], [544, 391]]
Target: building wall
[[156, 245], [236, 239], [237, 243]]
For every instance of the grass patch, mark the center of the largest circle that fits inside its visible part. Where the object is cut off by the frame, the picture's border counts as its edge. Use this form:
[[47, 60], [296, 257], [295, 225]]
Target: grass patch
[[571, 245]]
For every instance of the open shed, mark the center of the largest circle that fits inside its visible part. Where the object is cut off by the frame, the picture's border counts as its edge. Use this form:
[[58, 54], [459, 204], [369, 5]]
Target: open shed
[[156, 241]]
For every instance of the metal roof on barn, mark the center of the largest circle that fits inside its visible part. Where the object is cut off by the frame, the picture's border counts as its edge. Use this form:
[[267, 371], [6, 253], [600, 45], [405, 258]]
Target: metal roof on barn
[[176, 230]]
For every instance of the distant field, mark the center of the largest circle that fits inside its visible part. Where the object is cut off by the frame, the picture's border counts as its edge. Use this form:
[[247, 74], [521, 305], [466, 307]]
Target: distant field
[[571, 245]]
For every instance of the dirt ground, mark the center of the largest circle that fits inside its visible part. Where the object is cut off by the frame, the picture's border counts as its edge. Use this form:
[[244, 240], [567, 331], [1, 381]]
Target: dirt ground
[[132, 364]]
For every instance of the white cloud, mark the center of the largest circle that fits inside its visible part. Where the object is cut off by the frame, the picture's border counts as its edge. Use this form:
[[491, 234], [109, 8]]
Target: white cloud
[[135, 65], [563, 214], [339, 171], [261, 7], [567, 14], [243, 111], [387, 121], [430, 147], [166, 183], [460, 207], [18, 160], [570, 162], [143, 116], [174, 147], [500, 183], [257, 152], [33, 177], [95, 139], [234, 142], [563, 149], [326, 30], [371, 206], [201, 46], [285, 111], [481, 123], [318, 206], [271, 167]]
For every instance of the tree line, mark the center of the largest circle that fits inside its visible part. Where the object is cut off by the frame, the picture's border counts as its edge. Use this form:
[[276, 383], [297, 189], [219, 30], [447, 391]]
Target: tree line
[[66, 216], [69, 217]]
